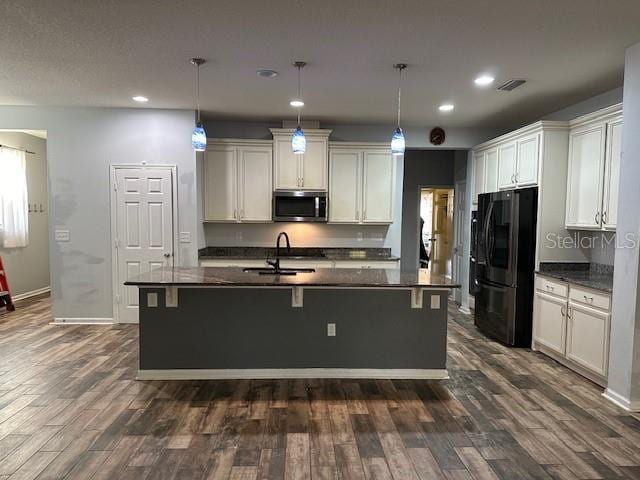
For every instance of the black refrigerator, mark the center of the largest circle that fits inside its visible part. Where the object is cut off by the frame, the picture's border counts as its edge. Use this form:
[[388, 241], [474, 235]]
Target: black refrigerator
[[506, 244]]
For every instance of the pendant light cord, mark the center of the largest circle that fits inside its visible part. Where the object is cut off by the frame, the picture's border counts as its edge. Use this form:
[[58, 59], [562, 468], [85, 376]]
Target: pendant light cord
[[399, 91], [198, 90], [299, 69]]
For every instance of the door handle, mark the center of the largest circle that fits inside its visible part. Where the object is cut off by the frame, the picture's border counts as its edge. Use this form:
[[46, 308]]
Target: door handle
[[167, 255]]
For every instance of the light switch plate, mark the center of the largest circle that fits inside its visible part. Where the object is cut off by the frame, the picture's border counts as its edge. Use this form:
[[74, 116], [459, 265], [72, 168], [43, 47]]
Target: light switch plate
[[435, 302], [185, 237], [331, 329], [62, 236]]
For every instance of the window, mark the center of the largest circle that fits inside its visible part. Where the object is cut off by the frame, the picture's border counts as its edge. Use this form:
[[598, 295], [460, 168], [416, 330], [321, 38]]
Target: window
[[14, 218]]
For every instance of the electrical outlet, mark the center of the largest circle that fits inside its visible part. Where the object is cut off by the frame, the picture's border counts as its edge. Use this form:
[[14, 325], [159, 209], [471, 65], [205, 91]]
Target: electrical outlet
[[152, 299], [185, 237], [331, 329], [435, 302], [360, 236], [62, 236]]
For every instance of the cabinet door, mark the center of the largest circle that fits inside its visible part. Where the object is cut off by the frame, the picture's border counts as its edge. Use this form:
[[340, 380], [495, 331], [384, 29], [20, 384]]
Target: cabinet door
[[314, 165], [254, 184], [378, 187], [549, 322], [528, 154], [491, 171], [286, 165], [612, 175], [585, 177], [588, 338], [345, 189], [220, 184], [478, 175], [507, 165]]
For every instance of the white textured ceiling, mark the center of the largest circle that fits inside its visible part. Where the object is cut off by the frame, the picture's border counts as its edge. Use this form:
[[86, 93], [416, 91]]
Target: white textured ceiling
[[101, 52]]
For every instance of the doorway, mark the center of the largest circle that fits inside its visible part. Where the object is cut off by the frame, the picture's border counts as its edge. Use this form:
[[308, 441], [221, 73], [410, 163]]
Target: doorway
[[142, 229], [436, 230]]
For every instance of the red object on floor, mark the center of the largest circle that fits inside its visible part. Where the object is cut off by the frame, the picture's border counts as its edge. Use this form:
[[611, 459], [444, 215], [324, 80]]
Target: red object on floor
[[5, 291]]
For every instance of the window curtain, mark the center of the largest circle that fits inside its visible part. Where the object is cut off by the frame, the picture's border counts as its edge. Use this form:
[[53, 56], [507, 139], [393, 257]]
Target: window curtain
[[14, 216]]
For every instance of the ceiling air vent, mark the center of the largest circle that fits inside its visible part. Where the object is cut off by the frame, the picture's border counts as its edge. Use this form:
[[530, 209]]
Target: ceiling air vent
[[511, 84]]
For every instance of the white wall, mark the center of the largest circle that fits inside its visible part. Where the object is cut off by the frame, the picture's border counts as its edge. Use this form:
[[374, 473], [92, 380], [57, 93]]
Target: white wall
[[82, 143], [28, 268]]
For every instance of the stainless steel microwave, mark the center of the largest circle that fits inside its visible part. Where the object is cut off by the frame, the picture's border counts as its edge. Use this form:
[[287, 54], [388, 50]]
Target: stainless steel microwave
[[299, 206]]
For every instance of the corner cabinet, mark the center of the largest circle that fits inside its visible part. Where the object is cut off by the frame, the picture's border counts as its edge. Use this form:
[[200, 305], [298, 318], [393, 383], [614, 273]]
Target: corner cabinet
[[362, 182], [308, 171], [595, 150], [237, 181], [571, 324]]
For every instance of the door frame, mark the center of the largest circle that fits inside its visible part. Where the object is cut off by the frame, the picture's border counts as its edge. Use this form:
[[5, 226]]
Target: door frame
[[418, 232], [459, 236], [113, 168]]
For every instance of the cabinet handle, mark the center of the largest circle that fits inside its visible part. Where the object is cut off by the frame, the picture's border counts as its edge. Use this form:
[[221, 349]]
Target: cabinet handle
[[550, 288], [569, 313], [562, 311], [357, 215], [512, 180], [516, 177], [364, 215], [604, 217], [302, 182], [242, 213], [588, 299], [597, 217]]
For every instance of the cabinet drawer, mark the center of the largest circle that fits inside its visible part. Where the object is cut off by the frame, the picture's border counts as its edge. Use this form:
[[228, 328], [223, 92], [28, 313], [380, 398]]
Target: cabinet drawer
[[229, 262], [553, 287], [590, 297], [386, 264]]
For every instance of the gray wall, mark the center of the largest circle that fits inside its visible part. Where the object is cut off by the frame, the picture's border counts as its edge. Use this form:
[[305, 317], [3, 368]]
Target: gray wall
[[624, 357], [422, 168], [81, 144], [28, 268]]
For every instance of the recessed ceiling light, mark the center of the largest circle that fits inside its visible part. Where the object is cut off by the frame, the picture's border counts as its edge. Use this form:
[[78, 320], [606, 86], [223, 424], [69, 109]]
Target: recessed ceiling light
[[267, 73], [297, 103], [140, 99], [446, 107], [484, 80]]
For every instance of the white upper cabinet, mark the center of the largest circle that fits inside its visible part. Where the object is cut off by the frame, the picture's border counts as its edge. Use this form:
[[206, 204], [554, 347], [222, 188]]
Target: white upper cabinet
[[378, 187], [612, 174], [527, 163], [308, 171], [491, 170], [478, 176], [345, 185], [593, 170], [287, 165], [254, 184], [507, 165], [361, 184], [237, 182], [220, 184]]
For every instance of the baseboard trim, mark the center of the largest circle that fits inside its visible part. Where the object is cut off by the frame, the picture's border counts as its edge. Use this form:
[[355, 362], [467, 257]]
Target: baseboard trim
[[464, 309], [282, 373], [82, 321], [621, 401], [32, 293]]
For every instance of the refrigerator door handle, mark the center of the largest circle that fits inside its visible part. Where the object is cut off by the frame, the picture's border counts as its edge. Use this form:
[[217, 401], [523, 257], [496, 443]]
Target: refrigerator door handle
[[487, 226]]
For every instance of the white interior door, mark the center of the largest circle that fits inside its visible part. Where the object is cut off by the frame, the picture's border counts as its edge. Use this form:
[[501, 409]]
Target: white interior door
[[458, 249], [143, 229]]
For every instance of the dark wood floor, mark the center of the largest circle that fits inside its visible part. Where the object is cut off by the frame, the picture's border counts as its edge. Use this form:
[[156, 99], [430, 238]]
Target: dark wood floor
[[70, 408]]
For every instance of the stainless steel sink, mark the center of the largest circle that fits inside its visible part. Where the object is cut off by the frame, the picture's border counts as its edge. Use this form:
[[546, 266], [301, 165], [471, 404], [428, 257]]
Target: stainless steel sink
[[280, 271]]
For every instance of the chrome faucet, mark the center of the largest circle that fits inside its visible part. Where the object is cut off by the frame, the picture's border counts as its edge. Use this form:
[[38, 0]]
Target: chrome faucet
[[276, 263]]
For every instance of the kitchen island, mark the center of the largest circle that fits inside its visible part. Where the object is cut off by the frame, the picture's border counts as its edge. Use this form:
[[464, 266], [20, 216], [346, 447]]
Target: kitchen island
[[211, 323]]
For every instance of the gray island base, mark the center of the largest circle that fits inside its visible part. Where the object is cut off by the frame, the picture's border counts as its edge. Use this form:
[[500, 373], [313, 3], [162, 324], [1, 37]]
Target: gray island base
[[219, 323]]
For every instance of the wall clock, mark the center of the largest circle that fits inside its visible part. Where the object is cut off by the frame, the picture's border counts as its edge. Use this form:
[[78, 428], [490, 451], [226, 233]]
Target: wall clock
[[437, 136]]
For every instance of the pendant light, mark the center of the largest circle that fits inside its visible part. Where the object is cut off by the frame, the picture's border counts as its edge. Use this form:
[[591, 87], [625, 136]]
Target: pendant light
[[199, 136], [397, 140], [298, 140]]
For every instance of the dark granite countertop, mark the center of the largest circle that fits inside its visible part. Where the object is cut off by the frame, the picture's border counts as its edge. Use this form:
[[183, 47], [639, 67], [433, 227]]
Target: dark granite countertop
[[322, 277], [296, 253], [590, 275]]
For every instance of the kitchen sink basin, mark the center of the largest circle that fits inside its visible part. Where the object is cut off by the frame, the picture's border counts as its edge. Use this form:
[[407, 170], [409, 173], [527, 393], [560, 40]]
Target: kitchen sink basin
[[281, 271]]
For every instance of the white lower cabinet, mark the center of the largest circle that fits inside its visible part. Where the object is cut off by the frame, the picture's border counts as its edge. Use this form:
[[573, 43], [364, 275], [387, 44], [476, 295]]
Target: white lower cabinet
[[550, 321], [571, 323]]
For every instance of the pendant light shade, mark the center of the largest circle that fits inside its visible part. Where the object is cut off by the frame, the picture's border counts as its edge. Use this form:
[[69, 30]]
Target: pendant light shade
[[198, 136], [397, 139], [397, 142], [298, 140]]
